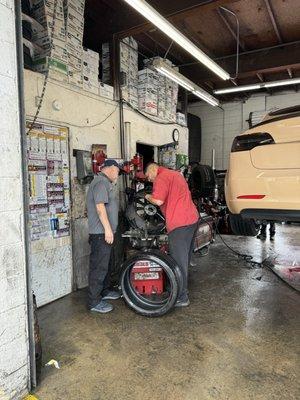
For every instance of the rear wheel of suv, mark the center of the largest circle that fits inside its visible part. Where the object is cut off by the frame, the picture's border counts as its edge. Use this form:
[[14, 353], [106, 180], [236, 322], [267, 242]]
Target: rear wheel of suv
[[243, 227]]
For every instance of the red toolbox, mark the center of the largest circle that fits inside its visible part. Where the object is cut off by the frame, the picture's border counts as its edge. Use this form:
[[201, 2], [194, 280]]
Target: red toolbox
[[147, 278]]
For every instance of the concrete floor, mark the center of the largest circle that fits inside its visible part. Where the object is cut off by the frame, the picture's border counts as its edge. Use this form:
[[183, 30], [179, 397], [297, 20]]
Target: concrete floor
[[238, 340]]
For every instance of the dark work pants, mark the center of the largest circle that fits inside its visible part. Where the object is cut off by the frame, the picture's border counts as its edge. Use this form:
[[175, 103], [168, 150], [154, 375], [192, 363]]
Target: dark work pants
[[99, 268], [181, 244], [263, 230]]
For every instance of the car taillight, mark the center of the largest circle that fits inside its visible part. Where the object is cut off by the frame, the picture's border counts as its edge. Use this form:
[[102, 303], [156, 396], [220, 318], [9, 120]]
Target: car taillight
[[248, 142]]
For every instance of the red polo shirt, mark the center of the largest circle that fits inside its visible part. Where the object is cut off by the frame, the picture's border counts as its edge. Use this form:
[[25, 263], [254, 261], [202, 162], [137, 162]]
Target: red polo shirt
[[178, 208]]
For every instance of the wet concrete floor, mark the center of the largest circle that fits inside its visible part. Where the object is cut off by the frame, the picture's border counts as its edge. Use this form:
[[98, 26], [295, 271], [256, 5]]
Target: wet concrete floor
[[238, 340]]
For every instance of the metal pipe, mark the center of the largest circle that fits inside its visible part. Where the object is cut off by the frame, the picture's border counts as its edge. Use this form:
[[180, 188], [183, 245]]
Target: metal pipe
[[127, 141], [213, 159]]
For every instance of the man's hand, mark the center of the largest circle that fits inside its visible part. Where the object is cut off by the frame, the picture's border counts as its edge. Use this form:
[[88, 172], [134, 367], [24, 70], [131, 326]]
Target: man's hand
[[109, 236], [148, 197], [156, 202]]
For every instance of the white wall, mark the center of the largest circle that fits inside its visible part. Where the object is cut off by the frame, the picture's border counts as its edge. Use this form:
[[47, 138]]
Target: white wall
[[219, 127], [81, 110], [14, 362]]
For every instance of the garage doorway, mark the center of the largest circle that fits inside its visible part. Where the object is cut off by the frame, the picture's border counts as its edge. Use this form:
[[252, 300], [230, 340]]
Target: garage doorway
[[147, 151]]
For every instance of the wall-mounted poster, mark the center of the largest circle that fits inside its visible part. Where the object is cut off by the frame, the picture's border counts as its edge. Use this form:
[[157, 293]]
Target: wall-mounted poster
[[49, 182]]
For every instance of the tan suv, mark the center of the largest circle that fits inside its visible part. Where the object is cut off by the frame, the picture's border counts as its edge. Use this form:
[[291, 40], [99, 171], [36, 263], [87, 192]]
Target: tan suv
[[263, 178]]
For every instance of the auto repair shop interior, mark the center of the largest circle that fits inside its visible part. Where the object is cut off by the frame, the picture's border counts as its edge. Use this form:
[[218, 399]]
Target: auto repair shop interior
[[209, 91]]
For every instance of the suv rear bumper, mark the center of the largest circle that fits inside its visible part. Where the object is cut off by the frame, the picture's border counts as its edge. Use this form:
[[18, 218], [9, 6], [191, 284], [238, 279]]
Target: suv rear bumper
[[271, 215]]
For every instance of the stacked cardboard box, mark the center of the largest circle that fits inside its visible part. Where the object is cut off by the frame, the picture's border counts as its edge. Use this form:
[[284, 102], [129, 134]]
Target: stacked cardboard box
[[171, 100], [106, 91], [74, 24], [180, 119], [54, 55], [105, 60], [167, 95], [129, 70], [90, 71], [161, 97], [147, 90]]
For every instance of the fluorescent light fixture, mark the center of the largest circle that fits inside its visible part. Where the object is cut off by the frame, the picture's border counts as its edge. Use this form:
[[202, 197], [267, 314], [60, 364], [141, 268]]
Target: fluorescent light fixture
[[284, 82], [206, 97], [175, 78], [168, 29], [165, 69], [257, 86]]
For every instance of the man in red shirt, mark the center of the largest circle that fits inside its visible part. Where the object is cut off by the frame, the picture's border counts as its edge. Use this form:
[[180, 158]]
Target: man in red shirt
[[171, 193]]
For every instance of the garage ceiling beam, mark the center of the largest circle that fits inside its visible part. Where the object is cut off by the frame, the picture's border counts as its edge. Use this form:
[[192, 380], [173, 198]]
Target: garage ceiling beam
[[278, 59], [273, 20], [178, 16]]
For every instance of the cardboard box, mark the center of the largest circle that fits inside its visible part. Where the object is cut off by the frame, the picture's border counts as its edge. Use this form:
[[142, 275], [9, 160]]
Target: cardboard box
[[74, 52], [73, 42], [90, 88], [58, 76], [47, 23], [74, 62], [74, 26], [46, 3], [148, 107], [92, 79], [180, 118], [76, 5], [75, 78], [78, 33], [46, 10], [45, 42], [90, 55], [106, 91], [42, 64], [90, 62], [71, 13], [88, 70], [59, 53], [59, 32]]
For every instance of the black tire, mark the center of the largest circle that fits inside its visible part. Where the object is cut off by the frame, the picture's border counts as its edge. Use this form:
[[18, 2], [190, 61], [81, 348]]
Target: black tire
[[203, 181], [140, 304], [243, 227]]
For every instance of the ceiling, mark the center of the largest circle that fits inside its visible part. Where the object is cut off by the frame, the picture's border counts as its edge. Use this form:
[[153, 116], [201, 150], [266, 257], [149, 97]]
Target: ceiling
[[269, 37]]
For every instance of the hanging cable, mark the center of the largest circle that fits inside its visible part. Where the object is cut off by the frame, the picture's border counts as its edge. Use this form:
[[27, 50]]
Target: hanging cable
[[168, 50], [237, 40]]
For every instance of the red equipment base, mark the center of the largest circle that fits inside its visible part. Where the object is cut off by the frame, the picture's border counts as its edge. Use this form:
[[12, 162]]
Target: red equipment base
[[147, 278]]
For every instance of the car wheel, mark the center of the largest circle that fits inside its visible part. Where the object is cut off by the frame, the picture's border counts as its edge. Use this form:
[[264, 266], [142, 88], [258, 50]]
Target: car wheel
[[243, 227]]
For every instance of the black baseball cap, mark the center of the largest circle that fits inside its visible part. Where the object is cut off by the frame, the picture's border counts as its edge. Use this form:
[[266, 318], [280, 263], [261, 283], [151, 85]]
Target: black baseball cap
[[110, 163]]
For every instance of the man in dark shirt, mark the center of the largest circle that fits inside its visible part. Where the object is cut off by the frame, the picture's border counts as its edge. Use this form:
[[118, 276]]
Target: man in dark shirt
[[172, 195], [102, 208]]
